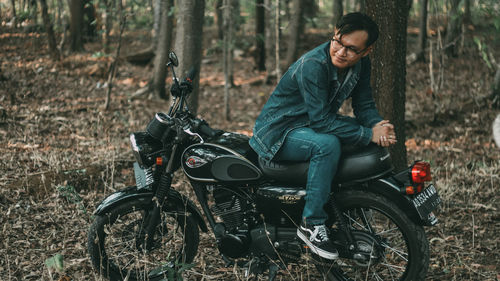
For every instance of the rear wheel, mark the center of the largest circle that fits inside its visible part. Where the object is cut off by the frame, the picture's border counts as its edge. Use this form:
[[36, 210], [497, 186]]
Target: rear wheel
[[393, 246], [116, 243]]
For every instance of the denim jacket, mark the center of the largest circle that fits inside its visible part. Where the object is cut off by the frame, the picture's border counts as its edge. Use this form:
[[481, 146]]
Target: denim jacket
[[309, 94]]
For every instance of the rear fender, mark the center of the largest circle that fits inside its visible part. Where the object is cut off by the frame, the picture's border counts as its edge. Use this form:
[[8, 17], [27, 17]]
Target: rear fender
[[174, 199], [388, 188]]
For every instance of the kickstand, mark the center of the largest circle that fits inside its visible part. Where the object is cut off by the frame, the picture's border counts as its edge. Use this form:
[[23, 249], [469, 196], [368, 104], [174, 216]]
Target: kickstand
[[273, 271]]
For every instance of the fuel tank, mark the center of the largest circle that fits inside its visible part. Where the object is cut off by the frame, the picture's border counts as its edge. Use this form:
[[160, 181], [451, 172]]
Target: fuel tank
[[224, 159]]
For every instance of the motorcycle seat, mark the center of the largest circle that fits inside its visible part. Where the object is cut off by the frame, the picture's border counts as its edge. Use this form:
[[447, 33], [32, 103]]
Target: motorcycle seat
[[357, 164]]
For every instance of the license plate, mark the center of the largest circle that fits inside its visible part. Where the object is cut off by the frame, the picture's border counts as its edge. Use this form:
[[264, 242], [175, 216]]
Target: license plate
[[143, 177], [426, 201]]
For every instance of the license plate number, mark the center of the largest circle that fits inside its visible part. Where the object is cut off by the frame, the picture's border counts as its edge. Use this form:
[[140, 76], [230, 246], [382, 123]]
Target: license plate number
[[426, 201]]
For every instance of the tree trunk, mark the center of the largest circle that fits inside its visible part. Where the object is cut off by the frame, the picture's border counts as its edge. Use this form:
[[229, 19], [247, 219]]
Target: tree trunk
[[270, 39], [260, 53], [60, 9], [89, 26], [157, 13], [422, 35], [76, 25], [107, 17], [362, 6], [467, 16], [164, 43], [495, 89], [277, 24], [188, 42], [296, 28], [389, 68], [51, 38], [453, 29], [228, 35], [338, 11], [218, 18], [13, 4]]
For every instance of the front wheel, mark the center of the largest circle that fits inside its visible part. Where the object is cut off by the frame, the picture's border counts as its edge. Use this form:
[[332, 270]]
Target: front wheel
[[117, 246], [393, 246]]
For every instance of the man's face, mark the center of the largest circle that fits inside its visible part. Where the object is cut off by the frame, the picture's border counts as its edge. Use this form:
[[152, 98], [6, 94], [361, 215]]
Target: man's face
[[347, 50]]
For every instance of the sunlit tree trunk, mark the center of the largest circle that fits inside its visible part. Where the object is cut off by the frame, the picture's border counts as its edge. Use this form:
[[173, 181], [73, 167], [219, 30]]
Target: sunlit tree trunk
[[76, 25], [453, 29], [188, 42], [422, 35], [260, 53], [389, 68], [338, 10], [51, 38], [164, 43]]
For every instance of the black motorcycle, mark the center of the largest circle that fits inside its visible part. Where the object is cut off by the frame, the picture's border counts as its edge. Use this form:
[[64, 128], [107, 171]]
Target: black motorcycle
[[151, 232]]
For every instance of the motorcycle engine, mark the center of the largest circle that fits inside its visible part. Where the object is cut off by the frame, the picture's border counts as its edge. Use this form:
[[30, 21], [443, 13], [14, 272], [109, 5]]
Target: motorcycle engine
[[236, 211]]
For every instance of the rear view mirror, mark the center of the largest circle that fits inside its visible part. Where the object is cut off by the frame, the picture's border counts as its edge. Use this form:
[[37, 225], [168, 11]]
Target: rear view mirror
[[173, 59]]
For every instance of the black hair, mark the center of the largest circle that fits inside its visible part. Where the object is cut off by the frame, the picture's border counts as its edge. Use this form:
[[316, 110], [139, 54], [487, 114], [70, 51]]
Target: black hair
[[358, 21]]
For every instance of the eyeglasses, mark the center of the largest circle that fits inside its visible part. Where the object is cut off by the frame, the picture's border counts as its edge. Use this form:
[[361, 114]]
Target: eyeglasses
[[351, 51]]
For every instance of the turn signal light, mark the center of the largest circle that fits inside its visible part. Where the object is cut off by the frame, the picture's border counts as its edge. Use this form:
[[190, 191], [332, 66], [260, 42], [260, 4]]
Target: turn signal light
[[421, 172], [159, 161]]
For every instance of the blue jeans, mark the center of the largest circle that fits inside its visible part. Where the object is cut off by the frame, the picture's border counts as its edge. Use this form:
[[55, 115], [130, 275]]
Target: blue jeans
[[323, 152]]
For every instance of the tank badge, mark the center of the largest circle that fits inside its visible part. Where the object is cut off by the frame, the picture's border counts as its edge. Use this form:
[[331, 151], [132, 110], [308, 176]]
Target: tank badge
[[195, 162], [289, 199]]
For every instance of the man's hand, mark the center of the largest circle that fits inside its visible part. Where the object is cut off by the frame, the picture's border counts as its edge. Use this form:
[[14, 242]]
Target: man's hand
[[383, 133]]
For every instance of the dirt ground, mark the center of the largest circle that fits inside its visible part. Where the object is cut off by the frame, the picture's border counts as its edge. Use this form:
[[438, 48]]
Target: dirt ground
[[61, 153]]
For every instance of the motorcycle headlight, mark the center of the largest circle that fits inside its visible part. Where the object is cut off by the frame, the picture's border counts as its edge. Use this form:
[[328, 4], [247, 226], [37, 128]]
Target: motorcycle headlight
[[136, 149], [144, 148]]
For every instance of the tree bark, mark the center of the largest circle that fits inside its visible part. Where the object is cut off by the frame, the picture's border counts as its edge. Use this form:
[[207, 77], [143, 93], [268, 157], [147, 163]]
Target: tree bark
[[389, 68], [13, 4], [467, 15], [362, 6], [338, 11], [157, 16], [51, 38], [164, 44], [188, 43], [228, 41], [270, 33], [76, 25], [495, 89], [107, 17], [422, 35], [296, 28], [260, 54], [453, 29], [218, 18]]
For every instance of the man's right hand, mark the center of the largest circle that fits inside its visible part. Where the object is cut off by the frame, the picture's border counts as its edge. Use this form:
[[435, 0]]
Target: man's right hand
[[383, 133]]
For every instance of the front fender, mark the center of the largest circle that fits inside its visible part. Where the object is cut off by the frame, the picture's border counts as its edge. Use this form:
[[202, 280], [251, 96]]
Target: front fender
[[132, 193], [389, 188]]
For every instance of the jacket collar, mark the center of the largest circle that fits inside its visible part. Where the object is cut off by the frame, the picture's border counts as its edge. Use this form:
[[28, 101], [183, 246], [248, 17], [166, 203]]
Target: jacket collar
[[353, 70]]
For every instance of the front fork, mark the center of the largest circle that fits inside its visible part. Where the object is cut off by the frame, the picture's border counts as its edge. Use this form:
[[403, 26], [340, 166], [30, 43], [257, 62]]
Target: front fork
[[160, 197]]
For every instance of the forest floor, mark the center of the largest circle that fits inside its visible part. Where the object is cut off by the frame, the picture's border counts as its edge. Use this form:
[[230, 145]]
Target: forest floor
[[61, 153]]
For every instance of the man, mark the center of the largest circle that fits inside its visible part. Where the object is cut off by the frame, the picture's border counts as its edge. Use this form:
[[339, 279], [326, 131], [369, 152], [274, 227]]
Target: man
[[300, 121]]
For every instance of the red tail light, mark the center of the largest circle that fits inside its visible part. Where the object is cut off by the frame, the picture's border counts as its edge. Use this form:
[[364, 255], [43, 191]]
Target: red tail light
[[421, 172]]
